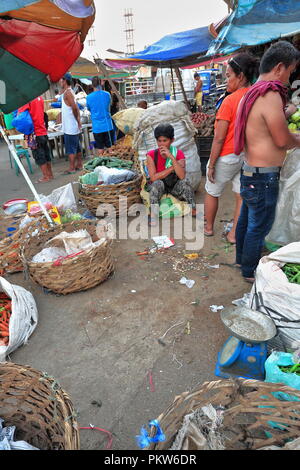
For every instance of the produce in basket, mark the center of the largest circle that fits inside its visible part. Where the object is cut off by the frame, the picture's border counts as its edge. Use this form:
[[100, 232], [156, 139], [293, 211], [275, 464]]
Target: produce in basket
[[204, 123], [5, 314]]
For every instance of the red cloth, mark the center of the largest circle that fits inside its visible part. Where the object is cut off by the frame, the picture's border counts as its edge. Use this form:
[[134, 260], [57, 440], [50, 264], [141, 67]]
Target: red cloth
[[161, 161], [49, 50], [36, 111], [259, 89]]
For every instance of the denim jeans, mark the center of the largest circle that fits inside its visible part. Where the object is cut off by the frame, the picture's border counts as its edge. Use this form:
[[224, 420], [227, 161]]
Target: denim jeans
[[260, 194]]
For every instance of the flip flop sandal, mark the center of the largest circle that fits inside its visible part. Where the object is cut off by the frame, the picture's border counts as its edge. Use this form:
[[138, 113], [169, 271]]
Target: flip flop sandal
[[69, 172], [208, 234]]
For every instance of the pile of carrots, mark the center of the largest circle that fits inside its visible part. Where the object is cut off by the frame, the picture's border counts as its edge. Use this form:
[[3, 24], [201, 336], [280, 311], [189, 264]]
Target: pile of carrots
[[5, 314]]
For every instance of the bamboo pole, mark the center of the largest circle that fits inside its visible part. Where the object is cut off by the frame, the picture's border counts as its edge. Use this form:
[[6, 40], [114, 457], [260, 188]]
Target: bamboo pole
[[28, 180], [178, 73]]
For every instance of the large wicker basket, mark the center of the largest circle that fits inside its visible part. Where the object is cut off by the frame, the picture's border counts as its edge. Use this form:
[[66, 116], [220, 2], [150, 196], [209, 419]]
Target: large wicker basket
[[73, 274], [36, 404], [249, 408], [10, 246], [95, 196]]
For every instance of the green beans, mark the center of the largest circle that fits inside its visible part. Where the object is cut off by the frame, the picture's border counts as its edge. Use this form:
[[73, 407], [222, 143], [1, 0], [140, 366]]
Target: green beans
[[292, 272]]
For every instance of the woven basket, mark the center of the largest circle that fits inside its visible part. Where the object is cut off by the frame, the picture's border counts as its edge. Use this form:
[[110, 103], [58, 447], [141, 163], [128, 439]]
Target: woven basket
[[10, 247], [249, 407], [73, 274], [94, 196], [36, 404]]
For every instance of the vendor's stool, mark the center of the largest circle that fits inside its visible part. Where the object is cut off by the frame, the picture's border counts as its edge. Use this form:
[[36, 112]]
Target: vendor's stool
[[21, 152]]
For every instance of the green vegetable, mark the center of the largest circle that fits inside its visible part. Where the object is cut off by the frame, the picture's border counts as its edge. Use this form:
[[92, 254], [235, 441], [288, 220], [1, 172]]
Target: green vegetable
[[295, 117], [292, 272], [292, 126]]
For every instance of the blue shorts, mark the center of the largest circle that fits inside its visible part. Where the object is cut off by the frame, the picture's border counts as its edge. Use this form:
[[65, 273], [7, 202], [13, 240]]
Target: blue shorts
[[72, 144]]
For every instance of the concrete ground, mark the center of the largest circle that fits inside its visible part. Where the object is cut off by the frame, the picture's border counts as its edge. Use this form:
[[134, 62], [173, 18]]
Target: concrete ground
[[102, 345]]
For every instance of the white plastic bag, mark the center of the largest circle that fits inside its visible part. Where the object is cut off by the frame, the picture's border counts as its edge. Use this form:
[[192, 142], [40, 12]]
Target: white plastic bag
[[274, 295], [62, 197], [24, 317], [286, 227]]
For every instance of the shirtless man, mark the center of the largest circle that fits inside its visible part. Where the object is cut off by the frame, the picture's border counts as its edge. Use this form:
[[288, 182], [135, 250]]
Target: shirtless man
[[267, 139]]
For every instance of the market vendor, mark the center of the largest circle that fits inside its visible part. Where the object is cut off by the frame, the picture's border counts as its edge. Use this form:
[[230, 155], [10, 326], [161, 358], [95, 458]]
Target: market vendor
[[224, 166], [262, 131], [198, 91], [166, 167]]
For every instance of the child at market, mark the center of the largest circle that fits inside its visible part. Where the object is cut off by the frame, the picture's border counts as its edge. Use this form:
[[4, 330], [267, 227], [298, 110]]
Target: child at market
[[166, 167]]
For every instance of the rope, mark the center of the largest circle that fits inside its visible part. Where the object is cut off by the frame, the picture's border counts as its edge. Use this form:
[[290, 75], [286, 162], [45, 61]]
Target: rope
[[110, 437]]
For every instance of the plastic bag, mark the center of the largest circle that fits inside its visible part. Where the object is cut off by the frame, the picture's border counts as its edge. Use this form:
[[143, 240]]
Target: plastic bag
[[275, 375], [23, 123], [24, 317], [286, 227], [63, 198]]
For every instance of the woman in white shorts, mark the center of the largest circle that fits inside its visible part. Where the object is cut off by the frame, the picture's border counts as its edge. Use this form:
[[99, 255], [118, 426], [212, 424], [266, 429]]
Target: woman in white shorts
[[224, 166]]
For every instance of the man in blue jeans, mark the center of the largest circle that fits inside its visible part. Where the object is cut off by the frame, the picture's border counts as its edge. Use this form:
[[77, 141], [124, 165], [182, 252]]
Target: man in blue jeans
[[262, 130]]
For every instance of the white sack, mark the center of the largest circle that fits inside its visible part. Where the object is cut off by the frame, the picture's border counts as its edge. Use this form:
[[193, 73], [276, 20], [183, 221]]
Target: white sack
[[176, 114], [24, 317], [280, 298]]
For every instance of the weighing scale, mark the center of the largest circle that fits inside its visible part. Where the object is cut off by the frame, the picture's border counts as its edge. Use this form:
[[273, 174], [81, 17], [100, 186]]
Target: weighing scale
[[245, 352]]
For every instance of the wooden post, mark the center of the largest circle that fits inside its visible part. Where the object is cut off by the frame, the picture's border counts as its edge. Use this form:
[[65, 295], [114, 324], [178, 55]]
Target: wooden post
[[173, 83], [103, 70], [178, 73]]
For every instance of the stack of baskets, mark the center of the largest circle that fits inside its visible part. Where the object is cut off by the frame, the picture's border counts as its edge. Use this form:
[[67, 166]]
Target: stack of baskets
[[41, 411], [254, 416], [14, 237], [111, 196], [72, 274]]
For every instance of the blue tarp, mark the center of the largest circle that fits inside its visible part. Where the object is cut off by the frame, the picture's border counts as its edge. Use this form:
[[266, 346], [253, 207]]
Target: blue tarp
[[257, 22], [8, 5], [177, 46]]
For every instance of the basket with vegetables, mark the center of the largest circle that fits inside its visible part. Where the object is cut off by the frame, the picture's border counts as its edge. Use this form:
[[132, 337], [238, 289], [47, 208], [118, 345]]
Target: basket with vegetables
[[93, 194], [204, 124], [38, 407]]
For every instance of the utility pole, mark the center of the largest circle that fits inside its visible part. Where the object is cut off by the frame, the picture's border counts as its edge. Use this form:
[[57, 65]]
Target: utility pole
[[128, 15]]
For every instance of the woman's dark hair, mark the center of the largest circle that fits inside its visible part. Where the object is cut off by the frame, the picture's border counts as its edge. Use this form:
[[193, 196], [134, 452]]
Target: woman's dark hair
[[164, 130], [246, 63], [281, 52], [96, 83], [196, 74]]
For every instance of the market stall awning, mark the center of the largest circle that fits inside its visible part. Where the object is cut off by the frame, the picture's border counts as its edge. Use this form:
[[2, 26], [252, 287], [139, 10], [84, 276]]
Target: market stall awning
[[171, 50], [39, 39], [86, 69], [256, 22]]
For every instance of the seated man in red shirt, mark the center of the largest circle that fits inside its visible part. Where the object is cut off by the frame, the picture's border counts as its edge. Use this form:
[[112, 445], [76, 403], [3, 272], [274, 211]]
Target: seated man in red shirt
[[40, 151], [166, 167]]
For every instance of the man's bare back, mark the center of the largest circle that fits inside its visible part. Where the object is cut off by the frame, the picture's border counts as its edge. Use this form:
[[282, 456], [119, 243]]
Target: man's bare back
[[267, 135]]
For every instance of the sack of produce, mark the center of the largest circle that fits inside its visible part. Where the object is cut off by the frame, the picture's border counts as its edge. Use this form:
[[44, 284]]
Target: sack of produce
[[286, 227], [126, 119], [275, 295], [176, 114], [18, 317]]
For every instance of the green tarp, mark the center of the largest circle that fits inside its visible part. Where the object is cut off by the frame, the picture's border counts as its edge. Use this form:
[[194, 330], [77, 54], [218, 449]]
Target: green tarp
[[19, 82]]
